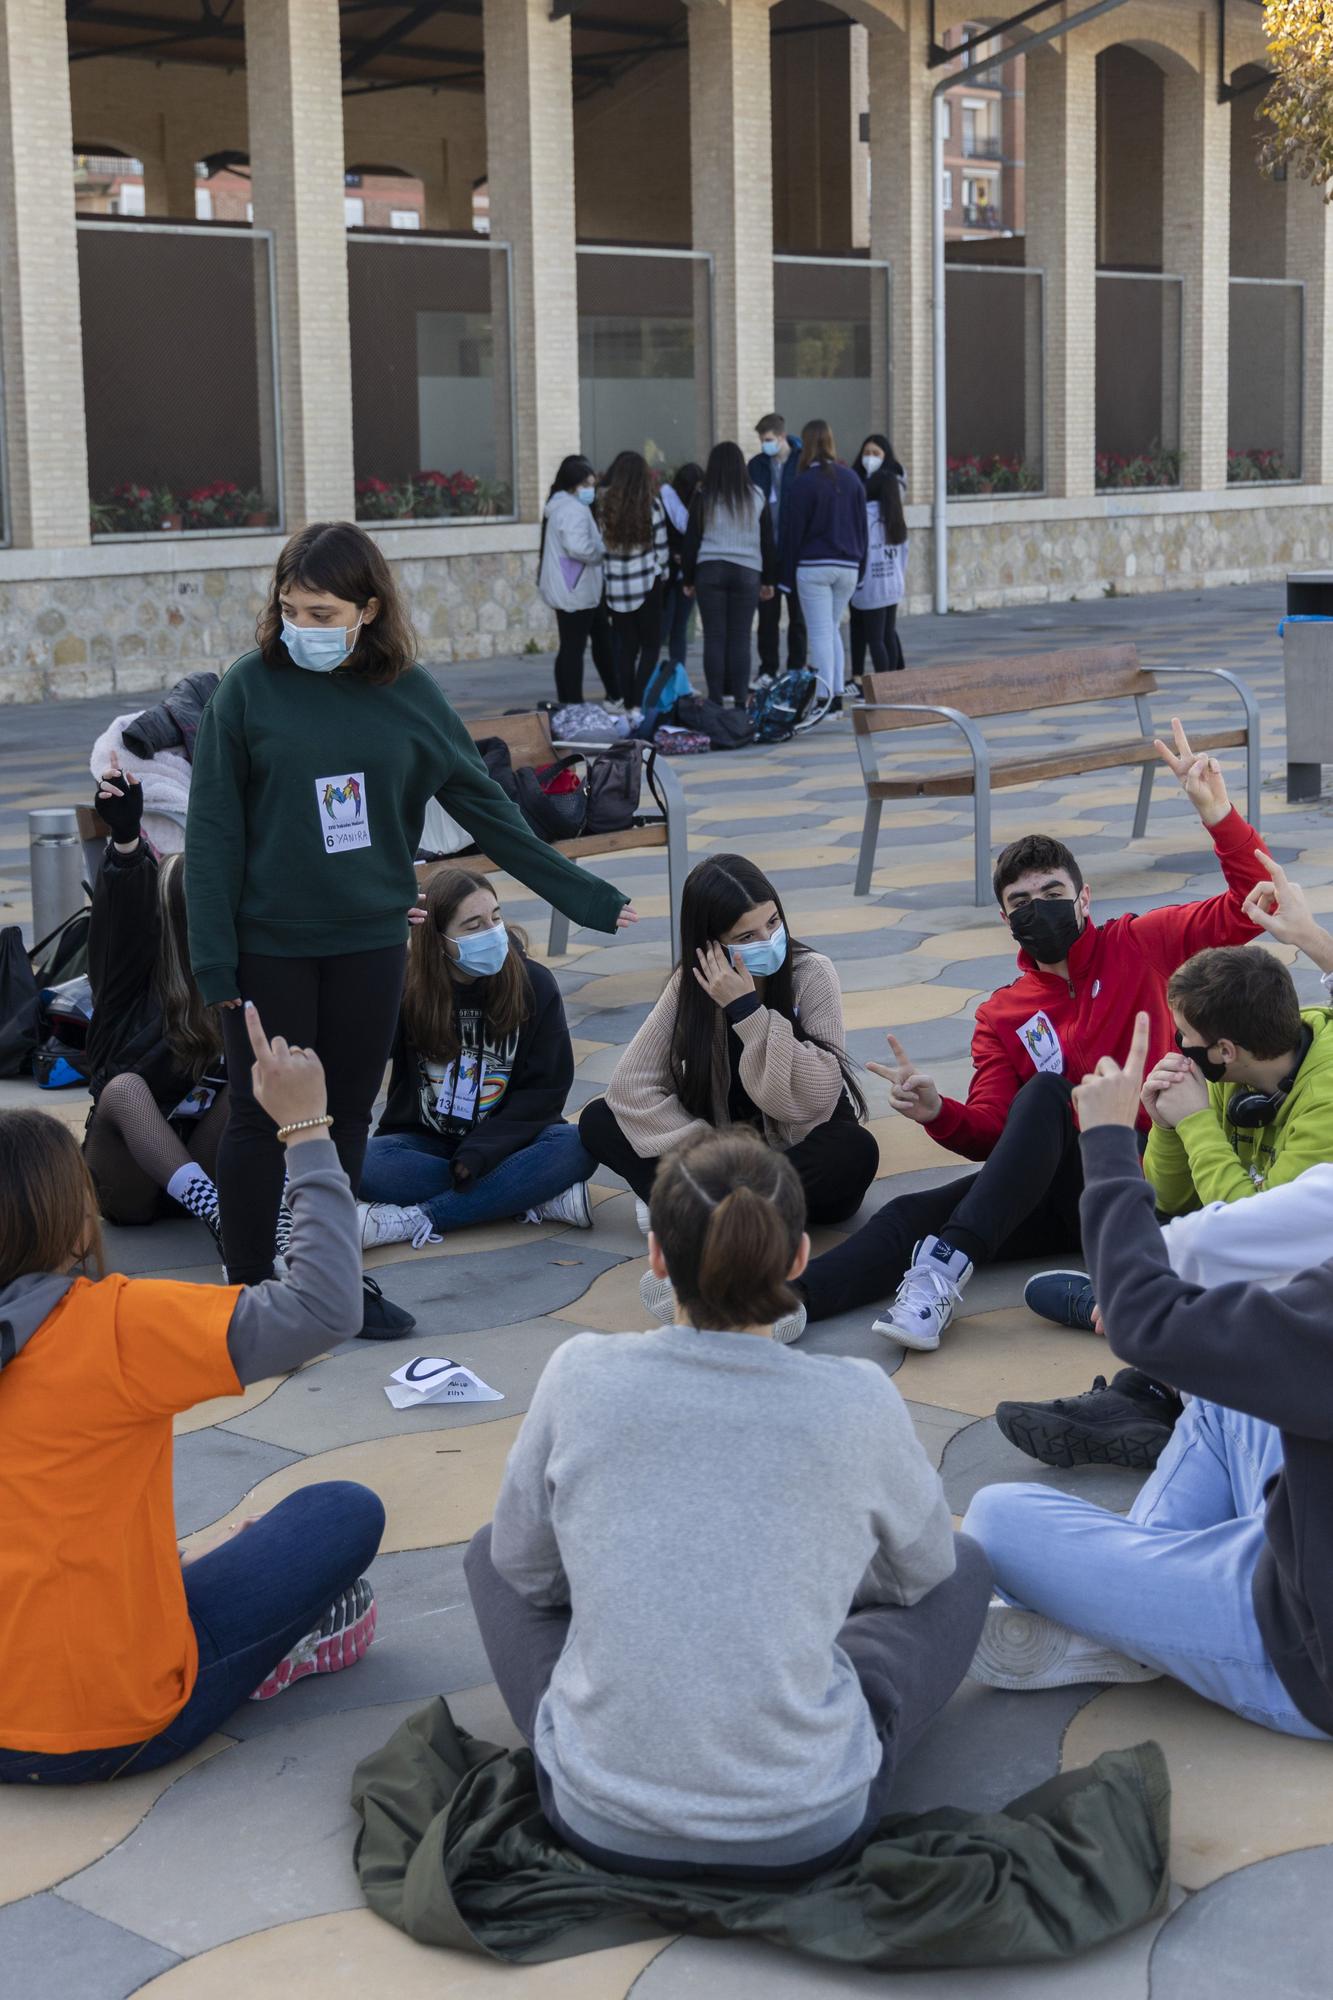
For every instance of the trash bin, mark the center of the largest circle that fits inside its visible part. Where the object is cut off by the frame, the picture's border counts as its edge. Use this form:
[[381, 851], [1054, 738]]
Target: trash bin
[[56, 862], [1307, 669]]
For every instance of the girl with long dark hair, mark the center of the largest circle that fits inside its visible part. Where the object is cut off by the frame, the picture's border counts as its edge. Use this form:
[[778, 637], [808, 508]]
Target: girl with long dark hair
[[729, 560], [156, 1073], [634, 529], [824, 546], [313, 765], [749, 1031], [873, 616], [482, 1064], [677, 497], [721, 1595], [569, 578]]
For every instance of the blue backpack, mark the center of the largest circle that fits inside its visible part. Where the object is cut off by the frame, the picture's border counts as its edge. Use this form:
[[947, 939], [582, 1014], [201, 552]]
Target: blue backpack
[[776, 710]]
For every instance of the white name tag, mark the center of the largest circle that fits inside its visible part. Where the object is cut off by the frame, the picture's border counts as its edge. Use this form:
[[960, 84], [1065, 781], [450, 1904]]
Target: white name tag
[[341, 804], [1043, 1045]]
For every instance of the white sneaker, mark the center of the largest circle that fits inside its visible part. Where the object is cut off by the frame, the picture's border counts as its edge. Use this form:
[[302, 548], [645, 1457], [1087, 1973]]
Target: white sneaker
[[660, 1300], [381, 1222], [641, 1215], [928, 1297], [1021, 1650], [573, 1206]]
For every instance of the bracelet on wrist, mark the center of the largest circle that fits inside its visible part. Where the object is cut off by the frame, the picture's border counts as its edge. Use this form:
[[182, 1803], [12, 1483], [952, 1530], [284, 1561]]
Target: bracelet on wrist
[[303, 1125]]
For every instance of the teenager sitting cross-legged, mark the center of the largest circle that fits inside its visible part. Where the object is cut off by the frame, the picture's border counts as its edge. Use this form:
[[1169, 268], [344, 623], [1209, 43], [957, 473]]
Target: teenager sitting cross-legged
[[1243, 1103], [749, 1031], [118, 1657], [721, 1595], [1078, 986], [482, 1063], [1222, 1574]]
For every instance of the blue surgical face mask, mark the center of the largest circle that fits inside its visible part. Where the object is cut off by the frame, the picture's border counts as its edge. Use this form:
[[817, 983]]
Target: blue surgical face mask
[[318, 648], [587, 494], [770, 447], [764, 959], [482, 952]]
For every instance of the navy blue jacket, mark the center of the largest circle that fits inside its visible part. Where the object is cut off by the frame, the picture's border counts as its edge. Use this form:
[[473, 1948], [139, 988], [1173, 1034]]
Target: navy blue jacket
[[760, 470], [823, 520]]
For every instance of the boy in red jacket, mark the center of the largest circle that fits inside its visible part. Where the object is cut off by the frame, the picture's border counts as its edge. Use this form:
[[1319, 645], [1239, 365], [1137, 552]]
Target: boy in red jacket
[[1079, 988]]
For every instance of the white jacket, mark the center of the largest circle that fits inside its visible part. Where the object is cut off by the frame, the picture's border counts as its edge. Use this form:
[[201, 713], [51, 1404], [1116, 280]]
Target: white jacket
[[886, 567], [1268, 1240], [572, 538]]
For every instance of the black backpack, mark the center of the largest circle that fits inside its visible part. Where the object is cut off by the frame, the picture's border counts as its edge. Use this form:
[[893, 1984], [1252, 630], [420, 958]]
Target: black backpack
[[553, 807], [776, 710], [725, 728], [615, 780]]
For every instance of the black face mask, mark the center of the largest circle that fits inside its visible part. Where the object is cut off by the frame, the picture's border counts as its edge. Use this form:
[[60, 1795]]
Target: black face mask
[[1212, 1072], [1047, 928]]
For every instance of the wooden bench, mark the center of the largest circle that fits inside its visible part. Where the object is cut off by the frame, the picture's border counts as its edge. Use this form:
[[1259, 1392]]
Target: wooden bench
[[529, 740], [963, 695]]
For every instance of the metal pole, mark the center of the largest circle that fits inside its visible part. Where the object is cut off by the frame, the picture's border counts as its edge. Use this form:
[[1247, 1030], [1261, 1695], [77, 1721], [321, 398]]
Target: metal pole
[[55, 859], [939, 393]]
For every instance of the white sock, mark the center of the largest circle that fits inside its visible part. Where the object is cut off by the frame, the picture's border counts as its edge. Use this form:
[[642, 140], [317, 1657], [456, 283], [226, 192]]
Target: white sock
[[182, 1187]]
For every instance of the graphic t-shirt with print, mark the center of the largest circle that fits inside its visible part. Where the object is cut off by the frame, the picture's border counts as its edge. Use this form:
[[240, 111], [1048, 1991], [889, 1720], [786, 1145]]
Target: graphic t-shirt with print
[[453, 1097]]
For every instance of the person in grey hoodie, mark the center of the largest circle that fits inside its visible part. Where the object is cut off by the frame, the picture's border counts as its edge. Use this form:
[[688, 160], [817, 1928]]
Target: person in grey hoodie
[[119, 1654], [721, 1594], [570, 579]]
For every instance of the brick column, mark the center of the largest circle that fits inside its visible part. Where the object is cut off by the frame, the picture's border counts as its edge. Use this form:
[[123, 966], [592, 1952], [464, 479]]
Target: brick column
[[900, 88], [1062, 241], [294, 89], [1196, 245], [731, 193], [168, 177], [1309, 255], [39, 282], [530, 172]]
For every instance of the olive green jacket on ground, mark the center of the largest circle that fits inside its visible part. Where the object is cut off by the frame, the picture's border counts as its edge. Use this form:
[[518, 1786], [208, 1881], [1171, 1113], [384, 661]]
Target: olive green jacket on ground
[[453, 1850]]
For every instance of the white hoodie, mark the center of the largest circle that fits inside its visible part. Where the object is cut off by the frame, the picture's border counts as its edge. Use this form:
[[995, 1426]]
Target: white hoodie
[[1268, 1240], [573, 544]]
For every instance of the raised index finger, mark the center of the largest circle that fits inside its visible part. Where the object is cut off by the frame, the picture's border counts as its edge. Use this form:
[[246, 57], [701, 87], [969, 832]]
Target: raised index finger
[[1182, 740], [1137, 1058], [259, 1041], [1277, 874], [900, 1054]]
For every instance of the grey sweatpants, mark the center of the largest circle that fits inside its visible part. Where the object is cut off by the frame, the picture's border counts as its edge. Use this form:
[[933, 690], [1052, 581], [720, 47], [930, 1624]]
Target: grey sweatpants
[[909, 1660]]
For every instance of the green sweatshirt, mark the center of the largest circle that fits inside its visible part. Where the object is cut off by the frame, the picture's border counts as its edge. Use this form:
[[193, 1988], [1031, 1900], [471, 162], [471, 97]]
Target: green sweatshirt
[[1206, 1160], [306, 806]]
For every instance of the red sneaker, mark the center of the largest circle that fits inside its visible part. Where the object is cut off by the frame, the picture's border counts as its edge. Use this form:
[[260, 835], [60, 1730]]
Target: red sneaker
[[342, 1636]]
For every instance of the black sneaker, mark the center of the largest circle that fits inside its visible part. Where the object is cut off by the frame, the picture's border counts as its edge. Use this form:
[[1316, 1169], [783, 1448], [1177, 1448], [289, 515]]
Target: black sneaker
[[381, 1319], [1127, 1423]]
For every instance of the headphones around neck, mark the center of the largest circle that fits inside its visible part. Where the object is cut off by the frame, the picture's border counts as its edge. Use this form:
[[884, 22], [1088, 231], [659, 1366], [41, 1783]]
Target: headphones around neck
[[1249, 1109]]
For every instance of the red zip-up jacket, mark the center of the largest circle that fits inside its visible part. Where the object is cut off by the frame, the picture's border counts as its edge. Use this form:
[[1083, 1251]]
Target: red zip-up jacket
[[1116, 970]]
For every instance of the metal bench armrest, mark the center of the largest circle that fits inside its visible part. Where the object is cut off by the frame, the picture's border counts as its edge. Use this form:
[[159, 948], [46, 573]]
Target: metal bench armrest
[[866, 742]]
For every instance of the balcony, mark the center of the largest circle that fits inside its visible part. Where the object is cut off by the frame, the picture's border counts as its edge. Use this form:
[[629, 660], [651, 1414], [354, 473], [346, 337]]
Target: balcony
[[980, 146], [984, 216]]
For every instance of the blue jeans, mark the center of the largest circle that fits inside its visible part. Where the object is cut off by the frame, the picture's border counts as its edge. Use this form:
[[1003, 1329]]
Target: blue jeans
[[415, 1169], [1169, 1585], [825, 591], [249, 1601]]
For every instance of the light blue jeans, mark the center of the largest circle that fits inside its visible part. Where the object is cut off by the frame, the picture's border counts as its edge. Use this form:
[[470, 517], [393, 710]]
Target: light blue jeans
[[825, 592], [1170, 1584], [415, 1169]]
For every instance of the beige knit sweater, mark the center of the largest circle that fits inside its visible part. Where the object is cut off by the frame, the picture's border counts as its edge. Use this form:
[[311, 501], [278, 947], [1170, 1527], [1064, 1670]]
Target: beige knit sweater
[[795, 1085]]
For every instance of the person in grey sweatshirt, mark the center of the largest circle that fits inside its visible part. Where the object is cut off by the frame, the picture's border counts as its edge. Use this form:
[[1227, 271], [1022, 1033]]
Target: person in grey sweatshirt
[[120, 1655], [1222, 1573], [721, 1594]]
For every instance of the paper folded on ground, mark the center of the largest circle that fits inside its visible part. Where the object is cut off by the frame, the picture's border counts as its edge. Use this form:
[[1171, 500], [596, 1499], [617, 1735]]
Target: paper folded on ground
[[430, 1379]]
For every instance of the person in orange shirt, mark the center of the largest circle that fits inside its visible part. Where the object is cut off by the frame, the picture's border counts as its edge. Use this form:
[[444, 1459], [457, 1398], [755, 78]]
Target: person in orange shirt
[[118, 1654]]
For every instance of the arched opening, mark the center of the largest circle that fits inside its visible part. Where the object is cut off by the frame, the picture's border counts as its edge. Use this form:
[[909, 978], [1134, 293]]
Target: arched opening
[[1267, 307]]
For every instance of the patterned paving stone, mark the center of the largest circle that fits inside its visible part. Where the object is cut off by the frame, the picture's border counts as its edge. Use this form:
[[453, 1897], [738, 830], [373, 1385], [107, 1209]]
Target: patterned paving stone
[[1239, 1793], [1267, 1929], [980, 1456], [220, 1408], [449, 1294], [989, 1358], [49, 1947], [214, 1469], [934, 1427]]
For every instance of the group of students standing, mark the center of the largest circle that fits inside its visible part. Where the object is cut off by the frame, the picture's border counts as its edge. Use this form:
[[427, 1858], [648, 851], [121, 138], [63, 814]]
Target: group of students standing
[[623, 561], [666, 1490]]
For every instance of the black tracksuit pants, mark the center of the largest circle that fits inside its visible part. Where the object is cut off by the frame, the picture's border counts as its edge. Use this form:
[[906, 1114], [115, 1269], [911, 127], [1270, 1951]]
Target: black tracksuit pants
[[1023, 1203], [836, 1162]]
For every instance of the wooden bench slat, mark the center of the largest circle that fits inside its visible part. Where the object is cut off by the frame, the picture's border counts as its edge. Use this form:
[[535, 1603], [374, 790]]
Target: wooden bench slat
[[586, 844], [528, 737], [1005, 687], [958, 780]]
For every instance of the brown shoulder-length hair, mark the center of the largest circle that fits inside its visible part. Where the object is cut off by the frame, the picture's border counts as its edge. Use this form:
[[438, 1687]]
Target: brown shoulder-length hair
[[729, 1214], [340, 559], [626, 512], [817, 447], [49, 1211], [431, 992], [192, 1030]]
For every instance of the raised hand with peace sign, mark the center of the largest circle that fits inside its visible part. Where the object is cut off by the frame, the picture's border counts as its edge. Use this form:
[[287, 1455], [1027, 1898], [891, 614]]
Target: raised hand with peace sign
[[912, 1092], [1200, 777]]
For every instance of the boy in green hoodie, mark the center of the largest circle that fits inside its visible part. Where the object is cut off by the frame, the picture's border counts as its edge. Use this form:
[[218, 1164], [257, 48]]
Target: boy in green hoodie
[[1243, 1104]]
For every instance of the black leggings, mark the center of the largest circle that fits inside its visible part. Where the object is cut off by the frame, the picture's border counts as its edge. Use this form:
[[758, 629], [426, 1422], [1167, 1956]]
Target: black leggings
[[878, 631], [836, 1162], [346, 1010], [638, 636], [575, 629], [1023, 1203]]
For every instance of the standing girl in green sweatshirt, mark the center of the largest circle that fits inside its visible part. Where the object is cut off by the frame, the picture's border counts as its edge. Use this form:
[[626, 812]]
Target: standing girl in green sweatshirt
[[313, 766]]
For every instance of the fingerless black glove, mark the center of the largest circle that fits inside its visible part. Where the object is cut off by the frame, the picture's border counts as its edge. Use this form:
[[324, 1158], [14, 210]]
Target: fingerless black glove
[[122, 814]]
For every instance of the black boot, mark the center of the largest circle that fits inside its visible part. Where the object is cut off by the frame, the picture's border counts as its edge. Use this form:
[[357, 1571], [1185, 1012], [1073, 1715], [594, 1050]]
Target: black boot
[[1127, 1423]]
